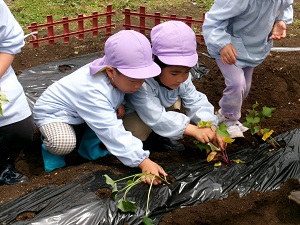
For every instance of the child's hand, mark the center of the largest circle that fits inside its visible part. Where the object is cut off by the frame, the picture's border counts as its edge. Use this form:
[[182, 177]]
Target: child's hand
[[120, 111], [219, 142], [151, 167], [279, 30], [228, 54], [205, 135]]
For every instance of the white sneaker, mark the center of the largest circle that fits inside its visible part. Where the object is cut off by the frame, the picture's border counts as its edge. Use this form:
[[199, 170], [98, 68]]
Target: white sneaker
[[223, 119], [220, 116], [242, 127], [234, 131]]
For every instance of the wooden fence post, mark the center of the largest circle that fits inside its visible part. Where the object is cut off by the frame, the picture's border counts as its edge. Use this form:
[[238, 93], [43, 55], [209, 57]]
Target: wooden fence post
[[156, 18], [108, 20], [66, 29], [50, 29], [95, 24], [142, 20], [35, 37], [127, 19], [80, 27], [189, 21]]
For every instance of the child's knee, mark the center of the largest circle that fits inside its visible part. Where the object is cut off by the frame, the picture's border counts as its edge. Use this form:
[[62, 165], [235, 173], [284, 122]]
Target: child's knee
[[238, 86], [59, 145]]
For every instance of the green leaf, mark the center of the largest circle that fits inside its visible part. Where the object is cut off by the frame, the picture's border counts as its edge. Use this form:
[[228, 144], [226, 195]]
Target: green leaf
[[260, 115], [238, 161], [228, 140], [222, 130], [222, 127], [111, 182], [267, 111], [126, 206], [254, 129], [254, 106], [252, 113], [246, 124], [222, 133], [200, 145], [204, 124], [3, 97], [249, 119], [256, 120], [265, 130], [213, 147], [114, 194], [129, 182], [147, 221], [217, 164], [1, 112]]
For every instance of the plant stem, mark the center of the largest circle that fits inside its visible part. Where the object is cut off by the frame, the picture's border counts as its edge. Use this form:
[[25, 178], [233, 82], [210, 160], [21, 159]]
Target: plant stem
[[128, 187], [274, 141], [225, 157], [148, 197], [124, 178]]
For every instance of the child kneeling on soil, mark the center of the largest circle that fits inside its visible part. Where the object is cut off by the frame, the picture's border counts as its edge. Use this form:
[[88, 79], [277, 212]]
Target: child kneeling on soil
[[239, 35], [174, 50], [92, 95]]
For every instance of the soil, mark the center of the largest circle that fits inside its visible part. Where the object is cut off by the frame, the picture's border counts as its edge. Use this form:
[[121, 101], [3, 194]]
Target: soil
[[276, 83]]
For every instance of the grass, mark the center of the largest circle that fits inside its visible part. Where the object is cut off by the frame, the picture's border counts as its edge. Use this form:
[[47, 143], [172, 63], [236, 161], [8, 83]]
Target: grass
[[28, 11]]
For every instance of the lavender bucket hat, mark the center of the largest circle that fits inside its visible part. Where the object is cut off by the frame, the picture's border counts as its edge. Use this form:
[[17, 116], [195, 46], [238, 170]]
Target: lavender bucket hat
[[130, 53], [174, 43]]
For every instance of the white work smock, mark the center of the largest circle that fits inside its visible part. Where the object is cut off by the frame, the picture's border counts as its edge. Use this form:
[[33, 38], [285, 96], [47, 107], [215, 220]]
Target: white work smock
[[246, 25], [152, 99], [11, 42], [81, 97]]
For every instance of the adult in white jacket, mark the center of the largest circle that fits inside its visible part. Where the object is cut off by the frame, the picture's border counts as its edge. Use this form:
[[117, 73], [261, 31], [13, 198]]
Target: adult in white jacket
[[239, 35], [16, 123]]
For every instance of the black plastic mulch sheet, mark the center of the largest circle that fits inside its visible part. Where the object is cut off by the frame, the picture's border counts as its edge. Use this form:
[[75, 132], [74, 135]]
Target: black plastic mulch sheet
[[199, 181], [36, 79], [196, 182]]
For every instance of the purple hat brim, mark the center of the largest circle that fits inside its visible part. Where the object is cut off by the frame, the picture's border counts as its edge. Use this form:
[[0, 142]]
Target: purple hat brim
[[188, 61], [142, 73]]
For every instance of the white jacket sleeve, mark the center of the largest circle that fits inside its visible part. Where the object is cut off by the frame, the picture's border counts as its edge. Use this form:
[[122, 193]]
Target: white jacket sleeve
[[216, 22], [150, 109], [103, 121], [11, 33], [196, 104], [287, 14]]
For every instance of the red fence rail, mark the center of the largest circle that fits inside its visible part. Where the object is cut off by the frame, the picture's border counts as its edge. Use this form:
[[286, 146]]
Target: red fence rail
[[140, 21], [65, 24]]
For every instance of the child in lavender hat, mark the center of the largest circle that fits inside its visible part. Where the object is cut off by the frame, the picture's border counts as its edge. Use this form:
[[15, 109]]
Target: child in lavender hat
[[92, 95], [174, 50]]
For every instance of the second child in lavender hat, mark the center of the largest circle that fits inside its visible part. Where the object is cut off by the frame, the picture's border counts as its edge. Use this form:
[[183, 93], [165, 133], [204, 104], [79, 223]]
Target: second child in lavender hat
[[152, 107], [89, 100]]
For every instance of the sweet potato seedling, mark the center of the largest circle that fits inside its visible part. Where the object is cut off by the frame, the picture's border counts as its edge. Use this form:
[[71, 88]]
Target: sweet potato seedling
[[212, 151], [133, 180], [253, 122]]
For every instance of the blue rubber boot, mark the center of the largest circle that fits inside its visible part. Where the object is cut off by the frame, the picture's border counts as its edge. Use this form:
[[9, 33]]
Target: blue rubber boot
[[51, 161], [89, 146]]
